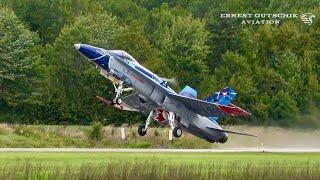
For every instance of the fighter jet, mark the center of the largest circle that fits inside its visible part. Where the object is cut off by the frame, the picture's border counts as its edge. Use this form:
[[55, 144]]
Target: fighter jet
[[153, 96]]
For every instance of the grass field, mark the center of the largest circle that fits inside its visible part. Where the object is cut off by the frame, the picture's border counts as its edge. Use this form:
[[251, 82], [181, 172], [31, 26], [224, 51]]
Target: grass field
[[18, 165], [160, 165], [43, 136], [40, 136]]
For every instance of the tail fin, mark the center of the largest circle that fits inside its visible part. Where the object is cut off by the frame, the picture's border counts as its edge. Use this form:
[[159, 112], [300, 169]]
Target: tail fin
[[223, 97], [188, 92]]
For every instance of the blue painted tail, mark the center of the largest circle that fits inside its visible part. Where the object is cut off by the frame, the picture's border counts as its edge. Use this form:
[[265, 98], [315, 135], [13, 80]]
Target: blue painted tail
[[223, 97]]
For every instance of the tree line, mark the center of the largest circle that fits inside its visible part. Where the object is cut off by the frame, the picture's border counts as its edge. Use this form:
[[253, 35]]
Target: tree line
[[273, 68]]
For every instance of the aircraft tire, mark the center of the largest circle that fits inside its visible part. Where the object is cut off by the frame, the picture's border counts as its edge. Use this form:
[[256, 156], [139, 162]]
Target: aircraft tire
[[177, 132], [119, 101], [141, 130]]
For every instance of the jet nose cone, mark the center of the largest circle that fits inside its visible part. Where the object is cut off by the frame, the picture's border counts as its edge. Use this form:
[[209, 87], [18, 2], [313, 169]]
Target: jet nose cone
[[77, 46], [89, 51], [97, 55]]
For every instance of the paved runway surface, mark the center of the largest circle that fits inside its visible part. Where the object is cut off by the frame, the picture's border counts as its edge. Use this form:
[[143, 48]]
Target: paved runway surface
[[271, 149]]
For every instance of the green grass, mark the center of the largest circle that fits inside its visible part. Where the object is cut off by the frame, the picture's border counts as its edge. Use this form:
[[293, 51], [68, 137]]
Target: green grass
[[189, 158], [42, 136], [160, 165]]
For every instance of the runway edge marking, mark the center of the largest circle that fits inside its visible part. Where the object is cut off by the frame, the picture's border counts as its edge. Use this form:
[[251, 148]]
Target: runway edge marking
[[284, 150]]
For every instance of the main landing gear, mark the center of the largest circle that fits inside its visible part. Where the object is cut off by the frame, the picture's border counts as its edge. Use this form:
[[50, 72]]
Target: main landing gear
[[142, 129], [176, 131], [119, 90]]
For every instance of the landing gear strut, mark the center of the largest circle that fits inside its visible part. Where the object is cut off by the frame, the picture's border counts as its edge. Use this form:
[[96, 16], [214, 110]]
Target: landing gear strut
[[176, 131], [119, 90], [142, 130]]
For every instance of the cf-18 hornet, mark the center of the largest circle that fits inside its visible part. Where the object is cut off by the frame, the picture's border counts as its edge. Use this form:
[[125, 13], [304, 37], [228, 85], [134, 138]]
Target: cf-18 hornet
[[153, 96]]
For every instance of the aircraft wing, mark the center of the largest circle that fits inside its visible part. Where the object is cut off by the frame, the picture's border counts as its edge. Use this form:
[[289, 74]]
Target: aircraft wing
[[131, 103], [198, 106]]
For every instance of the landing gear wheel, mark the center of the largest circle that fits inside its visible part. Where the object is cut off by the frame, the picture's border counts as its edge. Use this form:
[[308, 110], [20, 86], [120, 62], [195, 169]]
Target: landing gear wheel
[[177, 132], [117, 101], [141, 130]]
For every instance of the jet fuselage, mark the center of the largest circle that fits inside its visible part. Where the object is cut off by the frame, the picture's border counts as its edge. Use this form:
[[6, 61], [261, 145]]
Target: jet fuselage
[[150, 87]]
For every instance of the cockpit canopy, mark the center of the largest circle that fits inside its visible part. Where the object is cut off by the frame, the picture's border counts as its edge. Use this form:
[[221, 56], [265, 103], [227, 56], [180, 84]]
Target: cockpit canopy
[[124, 54]]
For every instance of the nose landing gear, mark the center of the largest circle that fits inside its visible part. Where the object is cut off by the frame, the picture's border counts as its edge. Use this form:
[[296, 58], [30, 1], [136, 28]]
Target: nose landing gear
[[142, 130], [119, 90]]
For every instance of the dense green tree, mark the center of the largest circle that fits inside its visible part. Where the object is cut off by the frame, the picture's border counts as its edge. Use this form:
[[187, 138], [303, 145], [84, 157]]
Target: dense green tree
[[149, 4], [181, 41], [283, 108], [44, 17], [71, 83], [127, 11], [223, 36], [16, 62], [132, 40], [273, 68]]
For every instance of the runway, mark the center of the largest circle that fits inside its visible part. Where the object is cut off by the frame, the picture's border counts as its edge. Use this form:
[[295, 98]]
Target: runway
[[107, 150]]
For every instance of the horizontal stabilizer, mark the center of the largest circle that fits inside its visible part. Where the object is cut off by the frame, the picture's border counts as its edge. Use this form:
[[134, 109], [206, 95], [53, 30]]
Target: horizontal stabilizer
[[233, 132], [233, 110]]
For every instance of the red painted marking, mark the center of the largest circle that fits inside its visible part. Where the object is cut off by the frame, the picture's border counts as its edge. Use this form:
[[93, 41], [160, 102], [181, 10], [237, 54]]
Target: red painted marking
[[159, 116], [233, 110], [110, 103]]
